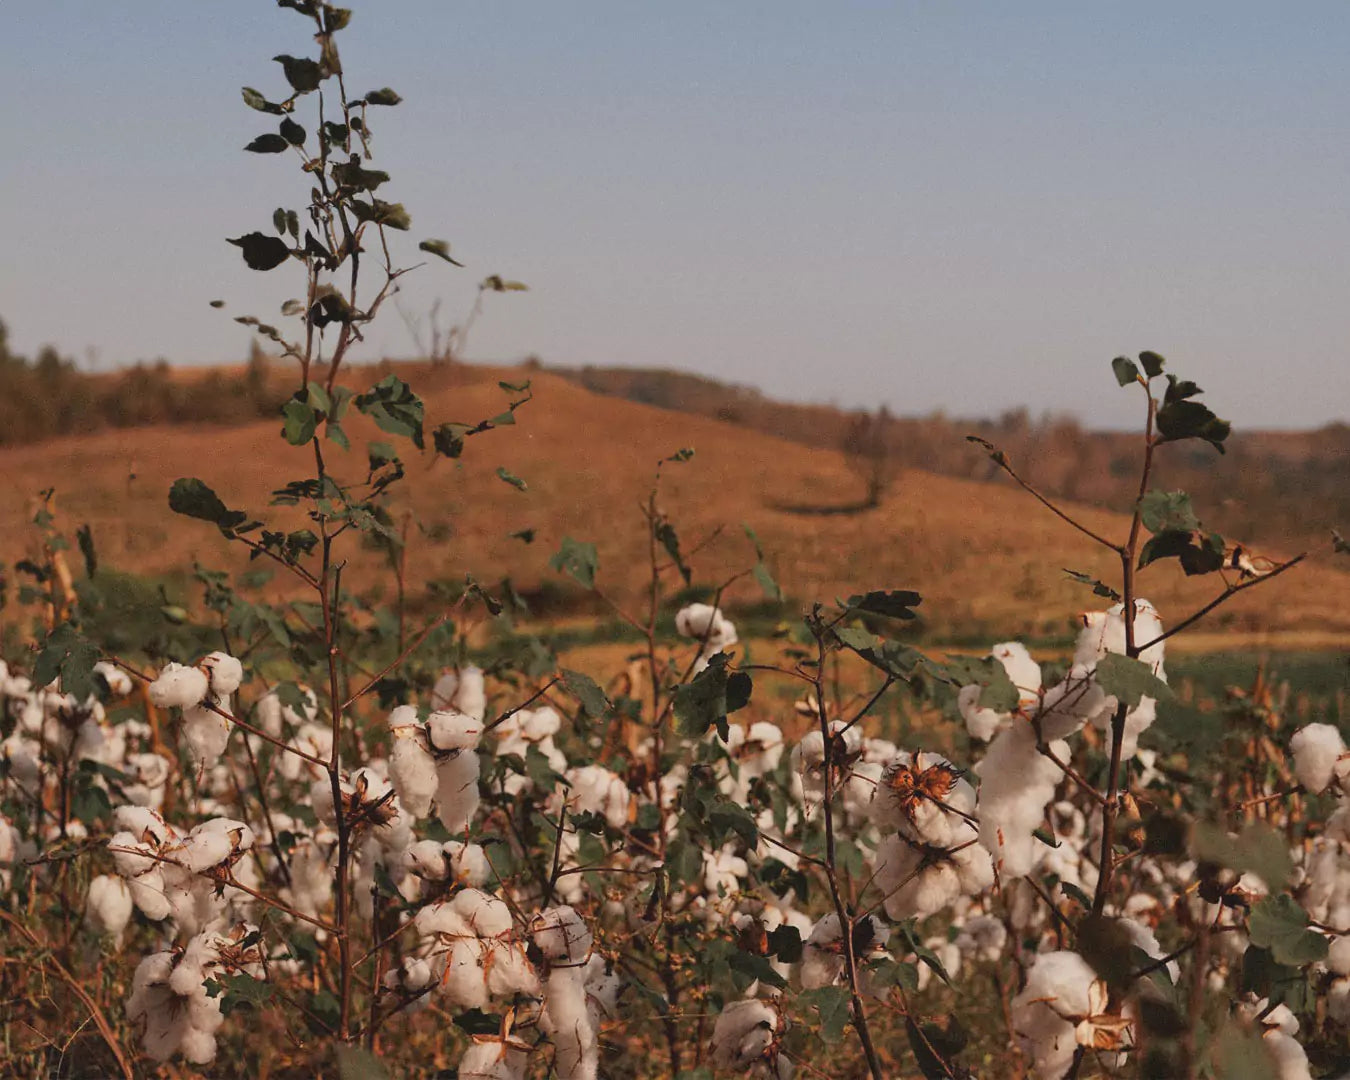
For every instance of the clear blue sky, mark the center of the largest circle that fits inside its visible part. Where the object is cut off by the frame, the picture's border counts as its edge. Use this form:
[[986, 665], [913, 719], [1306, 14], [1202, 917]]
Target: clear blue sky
[[958, 206]]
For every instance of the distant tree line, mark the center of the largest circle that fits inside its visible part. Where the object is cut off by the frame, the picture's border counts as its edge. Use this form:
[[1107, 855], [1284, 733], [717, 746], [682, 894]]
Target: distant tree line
[[48, 395]]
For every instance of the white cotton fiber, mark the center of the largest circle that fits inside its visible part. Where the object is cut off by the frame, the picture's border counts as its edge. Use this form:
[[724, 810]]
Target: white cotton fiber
[[1317, 749]]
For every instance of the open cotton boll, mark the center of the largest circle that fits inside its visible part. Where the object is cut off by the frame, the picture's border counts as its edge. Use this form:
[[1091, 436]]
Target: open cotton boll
[[1045, 1014], [412, 975], [1070, 704], [486, 915], [441, 919], [561, 935], [428, 860], [143, 823], [704, 621], [596, 790], [117, 681], [179, 686], [461, 691], [453, 730], [107, 908], [490, 1060], [225, 673], [468, 862], [509, 971], [746, 1032], [457, 790], [983, 938], [411, 768], [464, 982], [567, 1020], [823, 953], [1017, 782], [981, 722], [1317, 750], [1104, 632], [206, 733]]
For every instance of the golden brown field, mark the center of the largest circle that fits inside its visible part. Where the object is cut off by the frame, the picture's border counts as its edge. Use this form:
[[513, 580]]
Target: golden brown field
[[987, 560]]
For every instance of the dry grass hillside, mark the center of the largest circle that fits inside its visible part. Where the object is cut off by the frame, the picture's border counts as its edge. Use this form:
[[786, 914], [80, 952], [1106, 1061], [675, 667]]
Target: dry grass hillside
[[986, 559]]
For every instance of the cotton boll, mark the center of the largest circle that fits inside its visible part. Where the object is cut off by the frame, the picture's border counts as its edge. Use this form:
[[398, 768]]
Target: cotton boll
[[982, 938], [1317, 749], [108, 906], [117, 681], [1017, 782], [485, 914], [566, 1018], [453, 730], [490, 1060], [561, 935], [179, 686], [596, 790], [457, 790], [1291, 1062], [461, 691], [509, 971], [441, 920], [746, 1032], [981, 722], [465, 982], [428, 860], [225, 673], [1046, 1012], [207, 733], [412, 975], [413, 772], [468, 863]]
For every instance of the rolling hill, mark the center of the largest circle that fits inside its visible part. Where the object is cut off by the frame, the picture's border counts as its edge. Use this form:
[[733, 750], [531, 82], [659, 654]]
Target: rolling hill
[[988, 561]]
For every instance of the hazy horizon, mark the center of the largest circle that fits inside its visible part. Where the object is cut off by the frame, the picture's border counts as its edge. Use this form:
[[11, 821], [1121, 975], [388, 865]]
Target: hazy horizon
[[967, 210]]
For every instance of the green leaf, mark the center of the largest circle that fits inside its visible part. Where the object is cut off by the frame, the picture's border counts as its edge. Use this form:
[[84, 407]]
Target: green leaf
[[262, 252], [191, 497], [292, 132], [1279, 924], [894, 604], [512, 479], [1242, 1055], [747, 967], [1098, 588], [69, 655], [670, 540], [382, 213], [352, 175], [243, 989], [587, 691], [1130, 680], [268, 144], [578, 559], [358, 1063], [1198, 552], [383, 96], [1258, 848], [785, 942], [1125, 371], [439, 248], [1183, 419], [300, 422], [394, 408], [935, 1040], [832, 1006], [726, 817], [712, 695], [997, 690], [254, 100], [302, 73], [84, 536], [1152, 363], [1160, 511]]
